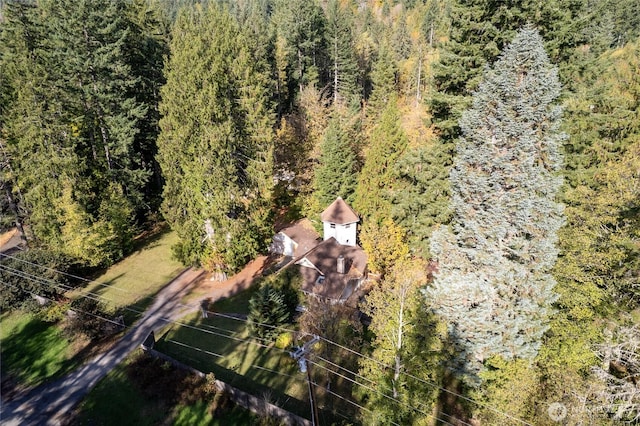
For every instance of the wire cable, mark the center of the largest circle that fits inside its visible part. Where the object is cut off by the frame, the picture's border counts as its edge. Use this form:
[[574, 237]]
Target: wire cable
[[289, 330], [348, 400], [381, 393], [87, 280], [429, 383], [435, 386], [74, 309], [43, 280]]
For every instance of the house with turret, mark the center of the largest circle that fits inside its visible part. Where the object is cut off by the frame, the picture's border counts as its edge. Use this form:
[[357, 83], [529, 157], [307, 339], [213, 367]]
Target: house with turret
[[332, 266]]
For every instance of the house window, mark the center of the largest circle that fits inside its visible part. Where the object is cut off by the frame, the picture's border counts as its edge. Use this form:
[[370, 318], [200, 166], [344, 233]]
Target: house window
[[332, 226], [320, 279]]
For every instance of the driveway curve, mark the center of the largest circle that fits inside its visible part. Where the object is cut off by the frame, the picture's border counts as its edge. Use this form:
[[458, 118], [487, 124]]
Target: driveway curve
[[47, 404]]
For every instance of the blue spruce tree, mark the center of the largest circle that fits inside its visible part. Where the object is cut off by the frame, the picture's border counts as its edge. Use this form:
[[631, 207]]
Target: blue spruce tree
[[493, 286]]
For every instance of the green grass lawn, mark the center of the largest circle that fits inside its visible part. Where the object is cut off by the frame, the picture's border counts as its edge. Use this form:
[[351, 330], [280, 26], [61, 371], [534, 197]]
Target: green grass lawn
[[33, 350], [238, 304], [144, 391], [134, 281], [115, 401], [263, 372], [197, 414]]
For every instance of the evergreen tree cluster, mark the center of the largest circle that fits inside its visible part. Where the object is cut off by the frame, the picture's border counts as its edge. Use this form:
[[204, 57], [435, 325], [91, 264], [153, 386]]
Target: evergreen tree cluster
[[80, 121], [439, 120], [216, 142], [494, 285]]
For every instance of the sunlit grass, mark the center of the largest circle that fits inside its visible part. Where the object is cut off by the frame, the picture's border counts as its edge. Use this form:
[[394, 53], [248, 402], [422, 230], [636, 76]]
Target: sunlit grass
[[33, 350], [238, 304], [116, 401], [198, 414], [134, 281], [226, 349]]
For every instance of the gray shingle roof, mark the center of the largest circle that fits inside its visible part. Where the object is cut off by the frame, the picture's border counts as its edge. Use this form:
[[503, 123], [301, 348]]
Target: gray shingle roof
[[339, 212]]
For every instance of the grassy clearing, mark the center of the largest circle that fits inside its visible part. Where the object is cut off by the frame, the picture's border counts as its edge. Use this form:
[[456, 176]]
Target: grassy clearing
[[134, 281], [147, 391], [115, 401], [199, 414], [34, 351], [265, 372], [235, 304]]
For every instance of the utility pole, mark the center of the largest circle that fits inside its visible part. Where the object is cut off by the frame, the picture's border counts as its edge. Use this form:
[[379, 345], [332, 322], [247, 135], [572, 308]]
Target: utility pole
[[300, 355]]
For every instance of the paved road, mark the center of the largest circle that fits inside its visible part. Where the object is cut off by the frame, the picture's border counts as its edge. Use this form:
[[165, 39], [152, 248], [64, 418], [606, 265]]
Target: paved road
[[47, 404]]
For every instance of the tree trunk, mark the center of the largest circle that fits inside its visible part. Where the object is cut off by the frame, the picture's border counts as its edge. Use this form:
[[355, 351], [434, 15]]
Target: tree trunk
[[14, 210], [419, 76], [398, 360], [335, 70], [299, 70]]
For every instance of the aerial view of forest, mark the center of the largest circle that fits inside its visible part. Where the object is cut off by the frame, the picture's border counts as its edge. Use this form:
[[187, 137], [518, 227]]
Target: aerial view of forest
[[431, 208]]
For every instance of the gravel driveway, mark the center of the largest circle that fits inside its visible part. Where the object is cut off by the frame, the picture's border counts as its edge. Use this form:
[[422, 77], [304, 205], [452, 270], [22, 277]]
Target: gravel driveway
[[49, 403]]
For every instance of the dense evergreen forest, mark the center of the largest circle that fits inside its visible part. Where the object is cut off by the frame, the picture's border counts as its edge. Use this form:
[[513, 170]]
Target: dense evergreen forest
[[491, 148]]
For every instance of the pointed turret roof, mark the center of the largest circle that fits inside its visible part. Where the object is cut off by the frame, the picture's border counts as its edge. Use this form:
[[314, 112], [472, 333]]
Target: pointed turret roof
[[339, 212]]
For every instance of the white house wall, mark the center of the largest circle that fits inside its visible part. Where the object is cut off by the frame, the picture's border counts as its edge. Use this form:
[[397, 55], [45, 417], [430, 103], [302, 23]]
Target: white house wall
[[289, 246], [344, 234], [282, 244]]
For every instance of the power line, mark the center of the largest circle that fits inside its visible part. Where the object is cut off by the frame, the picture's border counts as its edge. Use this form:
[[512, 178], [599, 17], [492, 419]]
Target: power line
[[87, 280], [49, 282], [283, 329], [168, 340], [388, 366], [370, 381], [428, 383], [255, 366], [43, 280], [232, 317], [348, 400], [360, 376], [405, 372], [194, 348], [74, 309], [228, 336], [381, 393]]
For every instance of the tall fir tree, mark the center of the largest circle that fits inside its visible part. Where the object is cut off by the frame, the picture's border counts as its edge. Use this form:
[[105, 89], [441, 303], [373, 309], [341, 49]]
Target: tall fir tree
[[335, 175], [420, 196], [301, 25], [386, 145], [480, 30], [493, 286], [89, 42], [343, 66], [216, 142], [74, 106], [384, 82], [148, 46]]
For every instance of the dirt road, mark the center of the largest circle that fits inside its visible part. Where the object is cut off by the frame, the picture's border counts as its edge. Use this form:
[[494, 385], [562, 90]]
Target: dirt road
[[210, 291], [49, 403]]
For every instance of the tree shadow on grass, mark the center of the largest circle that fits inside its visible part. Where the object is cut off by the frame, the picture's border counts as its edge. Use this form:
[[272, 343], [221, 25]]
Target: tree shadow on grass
[[34, 352], [37, 352], [235, 367], [149, 239]]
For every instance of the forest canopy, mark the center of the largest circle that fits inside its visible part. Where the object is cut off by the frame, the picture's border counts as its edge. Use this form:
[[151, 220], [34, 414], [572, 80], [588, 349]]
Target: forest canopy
[[490, 148]]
